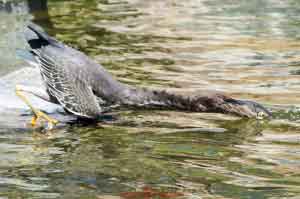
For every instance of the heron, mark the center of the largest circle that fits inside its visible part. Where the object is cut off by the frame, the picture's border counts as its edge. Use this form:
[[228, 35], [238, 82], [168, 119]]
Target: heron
[[83, 87]]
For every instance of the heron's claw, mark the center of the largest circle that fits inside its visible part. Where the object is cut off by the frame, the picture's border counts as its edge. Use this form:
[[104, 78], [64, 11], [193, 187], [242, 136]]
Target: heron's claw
[[40, 115], [37, 114]]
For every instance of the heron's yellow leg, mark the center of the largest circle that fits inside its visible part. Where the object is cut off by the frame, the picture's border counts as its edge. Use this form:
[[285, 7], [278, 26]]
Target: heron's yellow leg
[[33, 120], [37, 113]]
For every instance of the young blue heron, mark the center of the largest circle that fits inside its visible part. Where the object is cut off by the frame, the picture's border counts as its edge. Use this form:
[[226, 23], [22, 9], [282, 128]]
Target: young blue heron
[[80, 86]]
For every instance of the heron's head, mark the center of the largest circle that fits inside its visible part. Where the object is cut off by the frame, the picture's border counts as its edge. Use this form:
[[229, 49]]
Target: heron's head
[[260, 111], [249, 109]]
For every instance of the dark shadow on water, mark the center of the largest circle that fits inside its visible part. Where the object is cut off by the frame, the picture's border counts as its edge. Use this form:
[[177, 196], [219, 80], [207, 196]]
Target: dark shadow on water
[[39, 10], [84, 122]]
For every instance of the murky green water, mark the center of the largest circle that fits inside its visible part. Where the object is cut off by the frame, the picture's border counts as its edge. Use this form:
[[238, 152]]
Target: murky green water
[[249, 49]]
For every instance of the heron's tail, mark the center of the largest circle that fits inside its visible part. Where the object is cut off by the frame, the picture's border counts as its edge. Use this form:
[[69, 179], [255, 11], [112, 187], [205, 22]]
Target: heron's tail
[[37, 37]]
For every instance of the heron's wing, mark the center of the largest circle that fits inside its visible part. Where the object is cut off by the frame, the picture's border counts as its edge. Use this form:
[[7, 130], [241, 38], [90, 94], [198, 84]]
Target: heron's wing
[[71, 91]]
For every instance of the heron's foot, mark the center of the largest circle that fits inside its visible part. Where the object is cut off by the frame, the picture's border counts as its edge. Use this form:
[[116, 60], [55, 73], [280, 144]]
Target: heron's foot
[[39, 115]]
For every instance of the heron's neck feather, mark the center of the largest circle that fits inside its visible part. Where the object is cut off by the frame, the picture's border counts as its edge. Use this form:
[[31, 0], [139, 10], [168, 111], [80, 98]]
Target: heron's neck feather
[[149, 98]]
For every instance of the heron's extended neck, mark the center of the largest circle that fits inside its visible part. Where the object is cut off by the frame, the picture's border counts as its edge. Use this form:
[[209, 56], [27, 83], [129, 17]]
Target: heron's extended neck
[[151, 98], [202, 101]]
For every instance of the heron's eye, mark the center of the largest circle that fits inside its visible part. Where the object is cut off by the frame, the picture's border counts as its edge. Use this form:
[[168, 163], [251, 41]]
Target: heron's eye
[[261, 115]]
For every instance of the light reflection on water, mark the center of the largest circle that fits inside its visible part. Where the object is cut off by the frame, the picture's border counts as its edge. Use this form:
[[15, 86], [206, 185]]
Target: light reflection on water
[[245, 48]]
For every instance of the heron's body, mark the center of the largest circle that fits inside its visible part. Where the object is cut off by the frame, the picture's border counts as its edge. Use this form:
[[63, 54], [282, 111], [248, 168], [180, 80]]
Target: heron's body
[[79, 84], [70, 77]]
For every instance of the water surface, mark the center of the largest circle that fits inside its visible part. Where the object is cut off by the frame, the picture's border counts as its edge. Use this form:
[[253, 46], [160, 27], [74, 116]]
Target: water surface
[[248, 49]]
